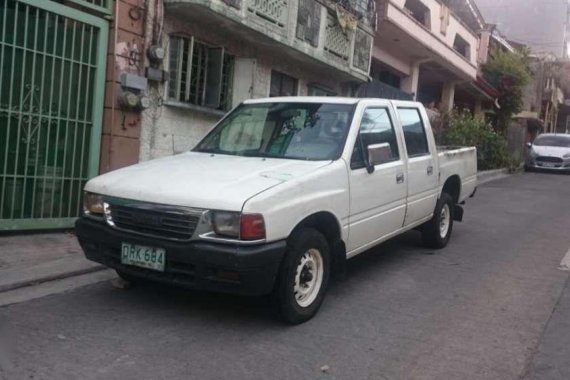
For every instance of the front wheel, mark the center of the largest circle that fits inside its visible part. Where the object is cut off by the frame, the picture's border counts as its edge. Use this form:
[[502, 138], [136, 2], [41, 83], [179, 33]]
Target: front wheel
[[437, 231], [303, 277]]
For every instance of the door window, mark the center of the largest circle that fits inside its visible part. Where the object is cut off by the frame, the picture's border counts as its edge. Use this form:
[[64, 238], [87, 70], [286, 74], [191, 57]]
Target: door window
[[414, 132], [375, 128]]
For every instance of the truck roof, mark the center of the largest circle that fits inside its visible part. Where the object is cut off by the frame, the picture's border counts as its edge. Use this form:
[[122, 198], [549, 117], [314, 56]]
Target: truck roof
[[304, 99], [322, 99]]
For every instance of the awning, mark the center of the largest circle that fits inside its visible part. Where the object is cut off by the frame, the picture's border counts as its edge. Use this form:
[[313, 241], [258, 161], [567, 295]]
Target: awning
[[481, 89]]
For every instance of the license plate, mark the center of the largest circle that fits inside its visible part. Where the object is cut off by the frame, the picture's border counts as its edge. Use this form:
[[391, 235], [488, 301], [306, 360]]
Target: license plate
[[144, 257], [549, 164]]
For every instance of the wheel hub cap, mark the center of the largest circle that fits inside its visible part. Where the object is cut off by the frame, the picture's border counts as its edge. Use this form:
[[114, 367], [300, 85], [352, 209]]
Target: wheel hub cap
[[308, 277], [444, 220]]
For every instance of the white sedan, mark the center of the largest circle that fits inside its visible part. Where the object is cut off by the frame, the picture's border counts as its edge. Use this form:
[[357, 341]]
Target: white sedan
[[549, 151]]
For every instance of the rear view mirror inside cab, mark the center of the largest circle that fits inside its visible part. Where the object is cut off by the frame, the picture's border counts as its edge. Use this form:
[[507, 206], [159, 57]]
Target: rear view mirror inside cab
[[379, 154]]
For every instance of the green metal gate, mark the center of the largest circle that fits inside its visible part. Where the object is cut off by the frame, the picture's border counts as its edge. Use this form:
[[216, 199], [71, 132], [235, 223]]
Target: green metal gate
[[52, 76]]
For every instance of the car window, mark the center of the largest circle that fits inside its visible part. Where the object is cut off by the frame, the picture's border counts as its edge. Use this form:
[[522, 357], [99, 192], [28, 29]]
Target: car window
[[561, 141], [414, 132], [375, 128]]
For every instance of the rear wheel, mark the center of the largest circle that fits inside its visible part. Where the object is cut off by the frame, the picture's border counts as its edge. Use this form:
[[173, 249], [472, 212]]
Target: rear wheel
[[437, 232], [303, 277]]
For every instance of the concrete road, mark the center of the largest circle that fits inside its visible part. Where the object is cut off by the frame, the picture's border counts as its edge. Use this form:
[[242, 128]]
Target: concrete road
[[492, 305]]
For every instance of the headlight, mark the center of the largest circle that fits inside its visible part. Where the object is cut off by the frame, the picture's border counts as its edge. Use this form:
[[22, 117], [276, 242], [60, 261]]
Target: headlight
[[238, 226], [226, 223], [567, 155], [93, 204], [532, 153]]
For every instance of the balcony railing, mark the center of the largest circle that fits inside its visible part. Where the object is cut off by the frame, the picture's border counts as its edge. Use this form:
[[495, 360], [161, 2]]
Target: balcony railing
[[274, 11], [344, 41], [377, 89]]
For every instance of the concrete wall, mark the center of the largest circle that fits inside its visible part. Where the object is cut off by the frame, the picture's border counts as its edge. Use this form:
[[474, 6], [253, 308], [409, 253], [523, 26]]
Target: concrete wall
[[516, 138], [454, 27], [121, 128]]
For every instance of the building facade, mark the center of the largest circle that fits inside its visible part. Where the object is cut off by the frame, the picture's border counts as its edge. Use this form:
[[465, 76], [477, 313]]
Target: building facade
[[219, 53]]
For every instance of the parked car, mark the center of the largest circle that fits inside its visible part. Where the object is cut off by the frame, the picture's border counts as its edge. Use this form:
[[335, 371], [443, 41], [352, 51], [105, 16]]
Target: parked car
[[277, 197], [549, 151]]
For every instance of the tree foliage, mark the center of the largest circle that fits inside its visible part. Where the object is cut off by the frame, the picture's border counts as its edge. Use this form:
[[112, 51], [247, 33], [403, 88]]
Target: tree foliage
[[509, 73], [463, 129]]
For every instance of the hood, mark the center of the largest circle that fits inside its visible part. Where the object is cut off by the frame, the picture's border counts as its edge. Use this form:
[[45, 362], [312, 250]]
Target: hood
[[551, 151], [200, 180]]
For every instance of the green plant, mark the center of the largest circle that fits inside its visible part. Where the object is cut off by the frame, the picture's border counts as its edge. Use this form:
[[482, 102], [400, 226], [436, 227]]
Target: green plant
[[509, 73], [461, 128]]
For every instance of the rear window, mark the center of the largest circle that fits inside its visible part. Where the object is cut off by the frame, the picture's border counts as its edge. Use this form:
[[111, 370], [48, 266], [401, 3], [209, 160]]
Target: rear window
[[414, 132], [558, 141]]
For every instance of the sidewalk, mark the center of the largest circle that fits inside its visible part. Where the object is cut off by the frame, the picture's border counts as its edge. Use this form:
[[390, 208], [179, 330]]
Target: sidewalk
[[30, 259]]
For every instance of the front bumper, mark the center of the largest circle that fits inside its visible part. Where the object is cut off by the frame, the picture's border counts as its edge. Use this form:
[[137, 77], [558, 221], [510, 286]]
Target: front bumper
[[557, 166], [245, 270]]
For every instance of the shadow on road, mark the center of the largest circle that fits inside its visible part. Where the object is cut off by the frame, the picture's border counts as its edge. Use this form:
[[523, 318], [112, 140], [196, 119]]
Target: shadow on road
[[161, 298]]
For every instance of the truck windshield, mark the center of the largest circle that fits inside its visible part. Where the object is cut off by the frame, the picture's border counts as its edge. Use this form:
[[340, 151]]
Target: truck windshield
[[306, 131]]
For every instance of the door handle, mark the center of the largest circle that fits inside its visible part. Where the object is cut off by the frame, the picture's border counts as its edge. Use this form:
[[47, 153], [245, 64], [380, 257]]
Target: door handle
[[430, 170], [400, 178]]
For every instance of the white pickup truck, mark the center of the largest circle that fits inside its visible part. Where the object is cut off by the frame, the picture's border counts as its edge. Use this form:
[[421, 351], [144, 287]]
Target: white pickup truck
[[277, 196]]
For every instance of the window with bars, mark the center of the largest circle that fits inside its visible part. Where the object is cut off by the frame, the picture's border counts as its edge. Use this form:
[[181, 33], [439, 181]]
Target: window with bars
[[200, 74]]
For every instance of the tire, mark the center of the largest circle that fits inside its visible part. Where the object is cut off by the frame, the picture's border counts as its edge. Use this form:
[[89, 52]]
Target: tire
[[437, 232], [303, 277]]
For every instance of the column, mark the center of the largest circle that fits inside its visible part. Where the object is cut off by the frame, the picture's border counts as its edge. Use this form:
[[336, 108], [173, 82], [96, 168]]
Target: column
[[447, 96], [410, 83], [478, 109]]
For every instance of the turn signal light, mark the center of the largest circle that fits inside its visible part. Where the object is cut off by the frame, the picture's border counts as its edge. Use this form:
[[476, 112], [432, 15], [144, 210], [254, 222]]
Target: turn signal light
[[252, 227]]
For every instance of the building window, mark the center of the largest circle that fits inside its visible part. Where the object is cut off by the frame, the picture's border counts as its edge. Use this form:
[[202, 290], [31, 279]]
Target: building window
[[316, 90], [462, 46], [200, 74], [418, 11], [282, 85]]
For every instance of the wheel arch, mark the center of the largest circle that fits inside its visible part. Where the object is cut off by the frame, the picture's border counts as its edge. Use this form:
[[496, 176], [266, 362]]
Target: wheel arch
[[327, 224], [452, 186]]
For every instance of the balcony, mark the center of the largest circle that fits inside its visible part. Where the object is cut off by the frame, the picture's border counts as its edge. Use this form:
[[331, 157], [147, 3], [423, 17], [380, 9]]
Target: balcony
[[426, 30], [309, 29]]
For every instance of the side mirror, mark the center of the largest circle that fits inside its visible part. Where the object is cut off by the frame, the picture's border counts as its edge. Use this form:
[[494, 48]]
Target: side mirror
[[379, 154], [529, 145]]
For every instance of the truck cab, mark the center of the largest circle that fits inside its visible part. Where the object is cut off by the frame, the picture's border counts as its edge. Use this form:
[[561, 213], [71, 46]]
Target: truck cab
[[277, 196]]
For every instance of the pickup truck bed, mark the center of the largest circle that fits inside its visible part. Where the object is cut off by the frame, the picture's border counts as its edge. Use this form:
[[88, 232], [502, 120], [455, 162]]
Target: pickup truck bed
[[454, 160]]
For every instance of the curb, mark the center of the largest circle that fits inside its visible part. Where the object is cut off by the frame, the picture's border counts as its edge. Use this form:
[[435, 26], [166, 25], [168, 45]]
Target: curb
[[54, 277], [492, 175]]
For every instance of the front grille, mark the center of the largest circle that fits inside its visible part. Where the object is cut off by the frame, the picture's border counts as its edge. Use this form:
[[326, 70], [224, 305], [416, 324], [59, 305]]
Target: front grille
[[549, 159], [156, 220]]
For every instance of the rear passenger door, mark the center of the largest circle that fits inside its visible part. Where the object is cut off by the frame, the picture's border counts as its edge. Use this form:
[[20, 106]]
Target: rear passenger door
[[422, 176], [377, 199]]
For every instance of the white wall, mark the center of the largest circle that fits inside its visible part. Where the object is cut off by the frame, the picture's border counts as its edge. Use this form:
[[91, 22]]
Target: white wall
[[455, 27]]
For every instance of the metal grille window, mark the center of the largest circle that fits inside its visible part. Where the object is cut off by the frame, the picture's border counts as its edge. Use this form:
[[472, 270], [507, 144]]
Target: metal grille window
[[200, 74]]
